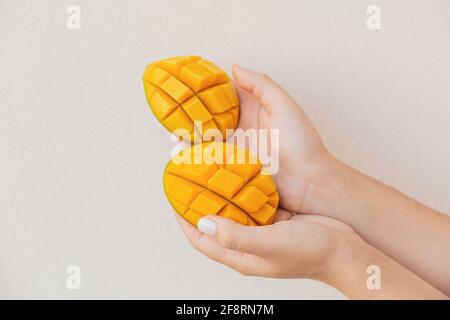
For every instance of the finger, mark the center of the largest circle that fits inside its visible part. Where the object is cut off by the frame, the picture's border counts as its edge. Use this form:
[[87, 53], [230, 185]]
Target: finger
[[235, 236], [243, 263], [273, 97], [325, 221], [282, 215], [243, 94]]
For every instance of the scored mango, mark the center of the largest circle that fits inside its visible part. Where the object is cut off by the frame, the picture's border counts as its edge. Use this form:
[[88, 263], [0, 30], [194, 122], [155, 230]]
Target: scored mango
[[215, 178], [190, 96]]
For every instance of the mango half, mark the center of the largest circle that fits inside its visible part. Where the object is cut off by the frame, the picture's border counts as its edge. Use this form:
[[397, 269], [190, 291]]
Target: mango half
[[184, 92], [216, 178]]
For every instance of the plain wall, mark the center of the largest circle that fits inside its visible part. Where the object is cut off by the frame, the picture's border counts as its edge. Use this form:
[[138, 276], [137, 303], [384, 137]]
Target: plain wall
[[81, 156]]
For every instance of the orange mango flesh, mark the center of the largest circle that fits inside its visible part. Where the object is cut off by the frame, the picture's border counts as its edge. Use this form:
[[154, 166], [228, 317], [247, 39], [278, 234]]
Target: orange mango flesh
[[220, 179], [192, 94]]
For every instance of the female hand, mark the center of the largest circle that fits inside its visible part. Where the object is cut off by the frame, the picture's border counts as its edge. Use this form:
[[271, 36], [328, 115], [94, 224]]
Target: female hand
[[303, 157], [306, 246], [295, 246], [310, 180]]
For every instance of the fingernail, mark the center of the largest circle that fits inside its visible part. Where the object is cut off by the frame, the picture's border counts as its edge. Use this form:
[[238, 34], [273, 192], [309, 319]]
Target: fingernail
[[207, 226]]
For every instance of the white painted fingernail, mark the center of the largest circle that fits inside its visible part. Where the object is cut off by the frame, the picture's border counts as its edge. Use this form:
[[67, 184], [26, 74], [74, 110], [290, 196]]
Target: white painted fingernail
[[207, 226]]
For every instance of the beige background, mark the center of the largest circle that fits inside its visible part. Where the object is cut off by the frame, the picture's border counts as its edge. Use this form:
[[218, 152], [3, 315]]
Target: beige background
[[81, 156]]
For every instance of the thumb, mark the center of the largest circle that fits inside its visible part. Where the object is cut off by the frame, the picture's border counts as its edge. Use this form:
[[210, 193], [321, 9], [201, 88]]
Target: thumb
[[271, 95], [235, 236]]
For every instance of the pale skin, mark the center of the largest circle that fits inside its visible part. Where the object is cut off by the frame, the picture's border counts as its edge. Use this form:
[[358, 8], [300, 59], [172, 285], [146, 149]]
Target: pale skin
[[333, 222]]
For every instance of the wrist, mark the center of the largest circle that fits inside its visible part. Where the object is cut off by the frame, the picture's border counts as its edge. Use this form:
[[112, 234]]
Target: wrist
[[361, 271], [330, 180], [344, 244], [348, 264]]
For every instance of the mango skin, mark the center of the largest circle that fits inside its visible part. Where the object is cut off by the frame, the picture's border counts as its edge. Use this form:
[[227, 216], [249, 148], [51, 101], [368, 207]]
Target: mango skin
[[185, 91], [220, 179]]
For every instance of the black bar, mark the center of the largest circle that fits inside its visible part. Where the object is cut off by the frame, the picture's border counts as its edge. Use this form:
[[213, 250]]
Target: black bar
[[225, 309]]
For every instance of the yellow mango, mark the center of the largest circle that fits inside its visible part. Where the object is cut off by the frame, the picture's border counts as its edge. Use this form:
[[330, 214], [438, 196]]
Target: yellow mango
[[183, 91], [215, 178]]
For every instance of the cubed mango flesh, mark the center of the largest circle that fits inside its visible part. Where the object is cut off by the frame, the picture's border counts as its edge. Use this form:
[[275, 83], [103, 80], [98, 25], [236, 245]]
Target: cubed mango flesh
[[215, 178], [192, 94]]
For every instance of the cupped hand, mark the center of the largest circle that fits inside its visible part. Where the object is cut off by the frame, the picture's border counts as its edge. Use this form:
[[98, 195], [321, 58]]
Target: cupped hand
[[295, 246], [302, 155]]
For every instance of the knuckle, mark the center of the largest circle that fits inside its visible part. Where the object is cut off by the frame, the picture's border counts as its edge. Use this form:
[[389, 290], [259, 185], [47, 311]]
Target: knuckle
[[230, 241]]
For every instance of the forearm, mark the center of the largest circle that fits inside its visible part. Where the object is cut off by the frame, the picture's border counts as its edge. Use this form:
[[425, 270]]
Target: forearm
[[414, 235], [389, 280]]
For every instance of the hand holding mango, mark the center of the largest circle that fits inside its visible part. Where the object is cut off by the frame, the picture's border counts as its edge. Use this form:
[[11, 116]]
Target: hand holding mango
[[192, 97], [305, 238]]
